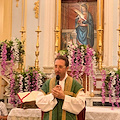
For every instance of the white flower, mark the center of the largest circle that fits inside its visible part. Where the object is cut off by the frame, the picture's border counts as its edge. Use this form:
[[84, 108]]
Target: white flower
[[76, 45], [113, 81], [113, 92], [115, 69]]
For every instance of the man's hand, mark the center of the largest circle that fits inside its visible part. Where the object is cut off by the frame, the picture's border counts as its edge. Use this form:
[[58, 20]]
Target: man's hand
[[58, 92]]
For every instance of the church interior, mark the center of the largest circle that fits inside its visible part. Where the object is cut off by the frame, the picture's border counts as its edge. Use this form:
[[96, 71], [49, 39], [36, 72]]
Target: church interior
[[34, 32]]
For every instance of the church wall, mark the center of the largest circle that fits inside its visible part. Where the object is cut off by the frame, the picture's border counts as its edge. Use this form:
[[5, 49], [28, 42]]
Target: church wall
[[16, 19], [31, 35], [47, 34]]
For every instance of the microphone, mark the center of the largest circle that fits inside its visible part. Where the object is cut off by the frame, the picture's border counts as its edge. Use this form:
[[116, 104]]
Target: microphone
[[57, 79]]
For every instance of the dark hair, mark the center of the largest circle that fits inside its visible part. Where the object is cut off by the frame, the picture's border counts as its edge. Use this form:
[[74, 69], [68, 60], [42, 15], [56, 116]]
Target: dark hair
[[61, 57]]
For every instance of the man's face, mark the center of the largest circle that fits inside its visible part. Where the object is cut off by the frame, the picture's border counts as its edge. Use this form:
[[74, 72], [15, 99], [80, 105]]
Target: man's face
[[60, 68]]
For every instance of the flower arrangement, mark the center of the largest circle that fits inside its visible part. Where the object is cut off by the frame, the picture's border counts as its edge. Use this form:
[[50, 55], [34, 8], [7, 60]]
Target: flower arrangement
[[14, 46], [82, 60], [110, 86], [28, 80], [11, 51]]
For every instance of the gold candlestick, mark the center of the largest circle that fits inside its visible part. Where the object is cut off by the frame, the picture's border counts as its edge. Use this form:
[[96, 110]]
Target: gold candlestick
[[20, 65], [92, 94], [22, 33], [57, 25], [37, 50], [100, 30], [119, 49], [56, 38]]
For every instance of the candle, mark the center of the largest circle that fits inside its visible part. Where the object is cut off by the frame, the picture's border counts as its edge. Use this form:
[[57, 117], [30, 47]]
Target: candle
[[99, 12], [57, 7], [23, 12]]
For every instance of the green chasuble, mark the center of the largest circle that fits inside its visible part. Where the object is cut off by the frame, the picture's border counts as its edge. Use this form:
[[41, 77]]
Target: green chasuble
[[71, 88]]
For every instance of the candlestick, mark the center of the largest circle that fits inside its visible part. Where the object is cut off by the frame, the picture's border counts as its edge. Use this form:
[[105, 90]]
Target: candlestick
[[56, 39], [37, 50], [100, 30], [119, 49], [23, 12], [92, 93], [99, 12], [22, 65]]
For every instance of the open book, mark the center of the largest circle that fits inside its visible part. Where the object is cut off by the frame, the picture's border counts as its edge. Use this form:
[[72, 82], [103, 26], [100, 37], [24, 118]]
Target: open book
[[28, 96]]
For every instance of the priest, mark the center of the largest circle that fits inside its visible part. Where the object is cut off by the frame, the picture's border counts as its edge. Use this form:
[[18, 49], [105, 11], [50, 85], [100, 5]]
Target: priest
[[62, 97]]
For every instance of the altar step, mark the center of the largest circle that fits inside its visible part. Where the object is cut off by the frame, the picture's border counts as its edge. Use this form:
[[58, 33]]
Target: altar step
[[97, 101]]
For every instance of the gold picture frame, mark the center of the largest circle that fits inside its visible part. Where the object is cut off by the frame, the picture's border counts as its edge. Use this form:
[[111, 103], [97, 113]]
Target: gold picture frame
[[65, 29]]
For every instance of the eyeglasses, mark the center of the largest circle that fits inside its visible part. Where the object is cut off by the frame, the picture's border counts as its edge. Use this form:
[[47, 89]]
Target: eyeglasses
[[59, 67]]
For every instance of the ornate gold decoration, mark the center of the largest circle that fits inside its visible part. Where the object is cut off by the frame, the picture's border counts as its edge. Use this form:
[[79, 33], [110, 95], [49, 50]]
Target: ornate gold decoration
[[19, 69], [119, 39], [56, 39], [100, 30], [36, 9], [17, 3], [37, 50], [58, 25], [119, 48], [92, 94], [20, 66]]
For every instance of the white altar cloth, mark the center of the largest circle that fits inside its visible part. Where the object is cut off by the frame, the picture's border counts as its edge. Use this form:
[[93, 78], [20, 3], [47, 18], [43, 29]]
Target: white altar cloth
[[24, 114], [102, 113]]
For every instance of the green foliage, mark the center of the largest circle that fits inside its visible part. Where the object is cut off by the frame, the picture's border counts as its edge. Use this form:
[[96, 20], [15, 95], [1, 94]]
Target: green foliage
[[63, 52]]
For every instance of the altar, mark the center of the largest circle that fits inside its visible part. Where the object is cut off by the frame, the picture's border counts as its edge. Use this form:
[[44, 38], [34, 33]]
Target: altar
[[102, 113], [92, 113], [24, 114]]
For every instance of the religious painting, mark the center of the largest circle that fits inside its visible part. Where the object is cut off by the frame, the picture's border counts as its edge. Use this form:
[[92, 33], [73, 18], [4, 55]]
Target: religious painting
[[79, 23]]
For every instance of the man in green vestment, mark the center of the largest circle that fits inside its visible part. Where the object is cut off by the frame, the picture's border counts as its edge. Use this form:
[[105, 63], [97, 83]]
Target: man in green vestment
[[61, 101]]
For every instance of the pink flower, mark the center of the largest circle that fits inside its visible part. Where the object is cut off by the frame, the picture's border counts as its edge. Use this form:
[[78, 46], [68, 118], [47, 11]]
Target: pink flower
[[82, 62], [4, 58], [103, 73]]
